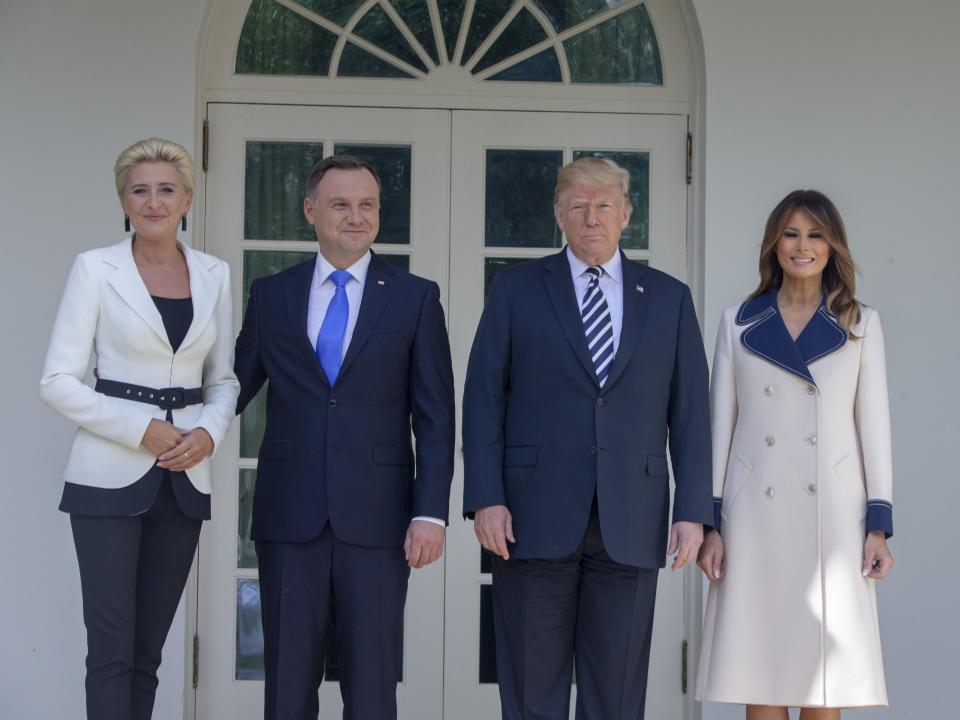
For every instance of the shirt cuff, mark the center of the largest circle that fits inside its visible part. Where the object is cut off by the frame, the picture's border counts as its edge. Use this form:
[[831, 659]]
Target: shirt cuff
[[427, 518]]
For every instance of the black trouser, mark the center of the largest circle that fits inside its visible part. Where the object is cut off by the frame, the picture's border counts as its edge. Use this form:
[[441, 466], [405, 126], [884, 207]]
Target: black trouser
[[364, 589], [585, 609], [132, 573]]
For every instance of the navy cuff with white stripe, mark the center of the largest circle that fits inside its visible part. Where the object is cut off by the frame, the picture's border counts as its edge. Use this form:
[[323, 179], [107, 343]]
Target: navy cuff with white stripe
[[880, 516]]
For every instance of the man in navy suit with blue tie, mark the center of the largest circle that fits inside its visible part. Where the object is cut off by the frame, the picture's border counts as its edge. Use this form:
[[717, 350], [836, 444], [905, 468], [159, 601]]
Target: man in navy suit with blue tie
[[356, 354], [585, 367]]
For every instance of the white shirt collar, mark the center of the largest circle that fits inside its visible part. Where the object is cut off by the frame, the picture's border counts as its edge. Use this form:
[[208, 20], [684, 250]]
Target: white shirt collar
[[358, 271], [612, 267]]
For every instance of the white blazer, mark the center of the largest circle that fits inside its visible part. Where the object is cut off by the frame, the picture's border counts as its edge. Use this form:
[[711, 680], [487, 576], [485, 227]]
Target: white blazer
[[107, 308]]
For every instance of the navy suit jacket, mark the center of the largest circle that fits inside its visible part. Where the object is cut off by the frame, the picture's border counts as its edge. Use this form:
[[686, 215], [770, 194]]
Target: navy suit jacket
[[344, 454], [541, 437]]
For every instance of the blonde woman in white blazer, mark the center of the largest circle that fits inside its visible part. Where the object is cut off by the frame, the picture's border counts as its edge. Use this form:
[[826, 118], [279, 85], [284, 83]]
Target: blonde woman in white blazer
[[802, 482], [157, 317]]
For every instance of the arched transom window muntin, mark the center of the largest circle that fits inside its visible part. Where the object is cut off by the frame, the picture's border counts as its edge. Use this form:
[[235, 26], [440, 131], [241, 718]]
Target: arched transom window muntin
[[568, 42]]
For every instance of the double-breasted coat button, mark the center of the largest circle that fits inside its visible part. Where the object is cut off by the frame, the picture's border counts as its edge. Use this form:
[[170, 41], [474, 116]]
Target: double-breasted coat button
[[332, 402], [593, 449], [810, 389], [812, 439], [601, 402], [769, 492], [768, 391], [770, 440], [811, 489]]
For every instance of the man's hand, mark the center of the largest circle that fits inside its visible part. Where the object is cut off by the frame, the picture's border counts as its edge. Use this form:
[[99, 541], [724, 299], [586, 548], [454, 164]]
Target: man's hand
[[710, 559], [877, 559], [494, 527], [685, 541], [424, 543]]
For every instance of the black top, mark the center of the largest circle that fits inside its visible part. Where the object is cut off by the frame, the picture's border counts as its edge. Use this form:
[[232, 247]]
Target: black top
[[158, 490]]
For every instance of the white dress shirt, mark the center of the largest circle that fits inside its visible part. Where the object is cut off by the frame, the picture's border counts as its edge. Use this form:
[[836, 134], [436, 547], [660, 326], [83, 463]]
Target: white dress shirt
[[611, 285], [322, 288]]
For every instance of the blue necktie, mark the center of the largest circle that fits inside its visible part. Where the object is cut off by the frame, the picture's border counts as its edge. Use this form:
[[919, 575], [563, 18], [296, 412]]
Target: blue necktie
[[597, 326], [330, 338]]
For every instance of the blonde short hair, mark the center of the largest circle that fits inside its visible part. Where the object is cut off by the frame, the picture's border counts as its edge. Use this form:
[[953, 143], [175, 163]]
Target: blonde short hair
[[596, 171], [155, 150]]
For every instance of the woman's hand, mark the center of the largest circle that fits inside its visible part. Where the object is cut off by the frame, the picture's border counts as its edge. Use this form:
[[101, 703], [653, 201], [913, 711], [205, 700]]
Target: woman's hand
[[711, 559], [195, 445], [877, 559], [161, 437]]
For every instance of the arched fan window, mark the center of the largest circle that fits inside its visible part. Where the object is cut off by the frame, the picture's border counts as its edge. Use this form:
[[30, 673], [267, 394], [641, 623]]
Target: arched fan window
[[552, 41]]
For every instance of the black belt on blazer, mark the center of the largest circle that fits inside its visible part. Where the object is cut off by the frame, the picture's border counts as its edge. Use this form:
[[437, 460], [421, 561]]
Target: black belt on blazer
[[172, 398]]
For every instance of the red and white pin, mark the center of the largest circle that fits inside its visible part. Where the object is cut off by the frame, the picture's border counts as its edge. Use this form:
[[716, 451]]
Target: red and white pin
[[640, 289]]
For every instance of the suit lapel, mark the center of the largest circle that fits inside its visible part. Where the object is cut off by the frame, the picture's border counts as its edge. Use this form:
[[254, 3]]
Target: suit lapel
[[564, 298], [128, 284], [204, 291], [377, 290], [634, 318], [767, 336], [298, 300]]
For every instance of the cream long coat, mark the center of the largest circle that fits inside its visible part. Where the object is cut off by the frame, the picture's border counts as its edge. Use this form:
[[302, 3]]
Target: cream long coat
[[802, 470], [107, 309]]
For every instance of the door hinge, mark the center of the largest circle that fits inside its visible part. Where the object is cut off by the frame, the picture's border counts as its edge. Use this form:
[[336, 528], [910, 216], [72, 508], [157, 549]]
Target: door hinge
[[683, 668], [196, 661], [689, 156], [205, 153]]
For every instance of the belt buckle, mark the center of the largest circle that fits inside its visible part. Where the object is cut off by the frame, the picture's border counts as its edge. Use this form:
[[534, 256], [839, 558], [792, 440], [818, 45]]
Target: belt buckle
[[172, 398]]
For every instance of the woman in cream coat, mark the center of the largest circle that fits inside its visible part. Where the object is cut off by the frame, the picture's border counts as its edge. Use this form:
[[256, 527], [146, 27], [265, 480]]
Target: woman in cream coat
[[157, 317], [802, 482]]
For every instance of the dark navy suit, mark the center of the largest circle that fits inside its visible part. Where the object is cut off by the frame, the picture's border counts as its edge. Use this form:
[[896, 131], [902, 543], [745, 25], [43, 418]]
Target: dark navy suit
[[337, 466], [584, 473]]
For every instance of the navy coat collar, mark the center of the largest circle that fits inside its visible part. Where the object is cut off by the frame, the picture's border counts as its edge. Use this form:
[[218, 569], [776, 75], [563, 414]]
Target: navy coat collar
[[767, 336]]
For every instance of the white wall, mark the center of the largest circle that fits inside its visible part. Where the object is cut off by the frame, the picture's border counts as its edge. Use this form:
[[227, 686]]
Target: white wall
[[79, 81], [860, 99], [855, 97]]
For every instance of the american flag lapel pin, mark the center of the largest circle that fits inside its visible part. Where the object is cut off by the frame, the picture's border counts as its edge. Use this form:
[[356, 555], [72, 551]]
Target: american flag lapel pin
[[640, 289]]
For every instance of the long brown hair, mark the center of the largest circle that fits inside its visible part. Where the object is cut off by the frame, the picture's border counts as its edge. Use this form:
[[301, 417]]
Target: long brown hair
[[839, 276]]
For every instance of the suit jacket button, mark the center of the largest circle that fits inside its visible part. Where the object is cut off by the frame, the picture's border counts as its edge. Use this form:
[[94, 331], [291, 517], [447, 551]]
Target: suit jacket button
[[811, 489], [770, 440], [810, 390], [768, 391], [593, 449], [769, 492], [601, 402], [332, 402], [812, 439]]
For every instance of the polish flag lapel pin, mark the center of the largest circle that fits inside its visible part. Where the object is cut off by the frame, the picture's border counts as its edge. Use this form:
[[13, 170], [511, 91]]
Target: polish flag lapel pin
[[380, 283], [640, 289]]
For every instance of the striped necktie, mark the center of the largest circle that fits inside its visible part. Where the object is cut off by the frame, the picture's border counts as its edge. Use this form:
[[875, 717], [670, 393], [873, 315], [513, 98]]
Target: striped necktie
[[597, 326]]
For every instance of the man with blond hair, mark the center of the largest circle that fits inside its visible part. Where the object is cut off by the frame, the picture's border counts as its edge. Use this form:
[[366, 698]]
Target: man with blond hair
[[585, 367]]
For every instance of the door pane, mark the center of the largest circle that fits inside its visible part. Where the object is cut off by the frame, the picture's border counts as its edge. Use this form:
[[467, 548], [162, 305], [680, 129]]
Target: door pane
[[276, 41], [275, 173], [246, 553], [522, 32], [493, 265], [394, 166], [622, 49], [519, 198], [249, 656], [416, 15], [485, 17], [451, 16], [377, 27], [636, 236], [542, 67]]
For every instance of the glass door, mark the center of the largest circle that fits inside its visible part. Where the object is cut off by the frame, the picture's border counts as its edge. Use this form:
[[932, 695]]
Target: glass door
[[258, 161], [504, 169]]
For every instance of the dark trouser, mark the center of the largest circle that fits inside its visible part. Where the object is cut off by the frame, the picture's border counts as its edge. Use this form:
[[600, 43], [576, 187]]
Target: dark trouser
[[586, 609], [303, 585], [132, 573]]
